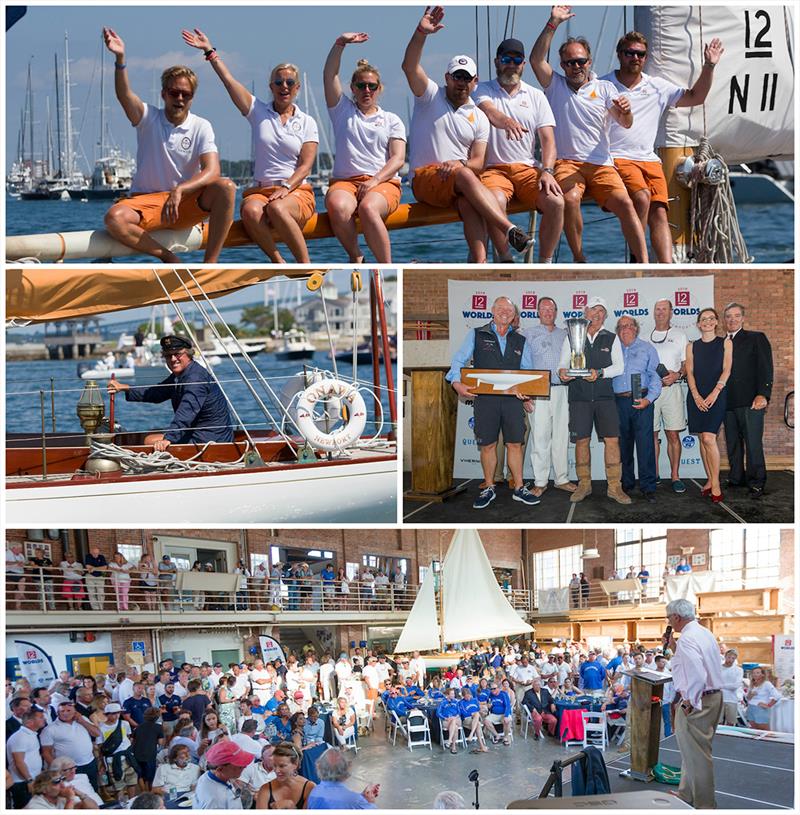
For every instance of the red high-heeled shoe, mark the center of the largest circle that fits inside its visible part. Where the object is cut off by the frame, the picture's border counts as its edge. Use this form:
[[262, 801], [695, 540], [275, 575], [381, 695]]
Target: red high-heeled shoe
[[705, 492], [716, 499]]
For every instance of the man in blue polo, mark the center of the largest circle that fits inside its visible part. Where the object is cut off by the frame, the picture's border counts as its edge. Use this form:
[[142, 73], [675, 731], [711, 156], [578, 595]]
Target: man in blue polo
[[450, 716], [499, 713], [201, 409], [496, 345], [592, 675], [641, 360]]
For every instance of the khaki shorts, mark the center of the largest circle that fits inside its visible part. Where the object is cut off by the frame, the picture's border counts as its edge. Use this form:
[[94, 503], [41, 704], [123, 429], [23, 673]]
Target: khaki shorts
[[150, 208], [390, 190], [599, 181], [515, 180], [644, 175], [496, 718], [670, 407], [430, 188], [303, 195], [129, 777]]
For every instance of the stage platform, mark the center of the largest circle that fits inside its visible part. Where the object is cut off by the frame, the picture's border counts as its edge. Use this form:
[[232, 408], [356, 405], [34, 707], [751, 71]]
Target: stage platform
[[775, 506], [749, 773]]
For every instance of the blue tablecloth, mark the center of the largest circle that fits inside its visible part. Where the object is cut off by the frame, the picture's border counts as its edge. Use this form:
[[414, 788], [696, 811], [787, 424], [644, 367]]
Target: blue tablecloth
[[308, 767]]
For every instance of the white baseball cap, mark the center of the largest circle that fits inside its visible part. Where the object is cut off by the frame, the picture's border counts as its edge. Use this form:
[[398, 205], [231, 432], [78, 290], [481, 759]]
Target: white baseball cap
[[596, 301], [461, 62]]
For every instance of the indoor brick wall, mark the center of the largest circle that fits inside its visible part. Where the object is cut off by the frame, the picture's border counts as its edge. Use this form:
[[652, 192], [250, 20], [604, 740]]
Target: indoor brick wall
[[768, 296]]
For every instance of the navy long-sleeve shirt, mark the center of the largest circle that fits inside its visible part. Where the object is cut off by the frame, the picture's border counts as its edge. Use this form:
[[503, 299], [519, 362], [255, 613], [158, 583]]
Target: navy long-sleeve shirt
[[201, 411]]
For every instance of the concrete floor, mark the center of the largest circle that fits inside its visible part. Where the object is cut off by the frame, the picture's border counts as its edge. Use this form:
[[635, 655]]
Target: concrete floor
[[411, 780], [775, 506]]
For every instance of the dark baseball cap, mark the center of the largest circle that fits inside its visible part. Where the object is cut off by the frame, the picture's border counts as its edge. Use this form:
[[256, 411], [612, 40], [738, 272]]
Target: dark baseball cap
[[510, 46], [173, 343]]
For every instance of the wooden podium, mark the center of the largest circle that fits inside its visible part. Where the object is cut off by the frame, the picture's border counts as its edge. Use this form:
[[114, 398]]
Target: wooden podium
[[644, 722], [433, 434]]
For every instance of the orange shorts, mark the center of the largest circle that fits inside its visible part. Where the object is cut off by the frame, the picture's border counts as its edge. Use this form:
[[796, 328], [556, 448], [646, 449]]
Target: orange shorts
[[599, 181], [390, 190], [644, 175], [303, 195], [150, 207], [515, 180], [430, 188]]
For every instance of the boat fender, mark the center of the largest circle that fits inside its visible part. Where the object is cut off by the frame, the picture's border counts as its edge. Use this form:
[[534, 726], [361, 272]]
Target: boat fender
[[342, 436], [315, 281]]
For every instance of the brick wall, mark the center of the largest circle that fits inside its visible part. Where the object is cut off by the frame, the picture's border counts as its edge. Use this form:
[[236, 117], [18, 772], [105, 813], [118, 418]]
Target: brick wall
[[121, 645], [768, 296]]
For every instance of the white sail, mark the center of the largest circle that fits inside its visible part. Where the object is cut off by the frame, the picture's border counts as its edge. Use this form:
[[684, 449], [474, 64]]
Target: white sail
[[474, 606], [749, 110], [421, 631]]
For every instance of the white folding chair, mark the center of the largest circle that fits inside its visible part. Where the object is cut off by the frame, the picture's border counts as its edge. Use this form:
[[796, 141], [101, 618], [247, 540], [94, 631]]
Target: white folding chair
[[395, 724], [417, 725], [350, 742], [525, 722], [595, 730], [618, 726], [366, 717], [460, 736]]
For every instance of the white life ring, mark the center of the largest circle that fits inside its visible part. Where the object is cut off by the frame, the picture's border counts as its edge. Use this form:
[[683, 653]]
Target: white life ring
[[342, 436], [295, 385]]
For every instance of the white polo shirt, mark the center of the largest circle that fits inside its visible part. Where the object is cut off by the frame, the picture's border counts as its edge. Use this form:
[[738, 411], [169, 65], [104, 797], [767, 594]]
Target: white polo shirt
[[168, 154], [362, 142], [211, 794], [24, 741], [14, 562], [277, 145], [529, 107], [440, 132], [170, 775], [524, 674], [649, 98], [369, 674], [670, 346], [582, 119], [68, 739], [255, 776]]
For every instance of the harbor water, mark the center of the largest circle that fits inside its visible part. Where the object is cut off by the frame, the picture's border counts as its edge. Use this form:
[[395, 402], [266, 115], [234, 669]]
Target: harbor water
[[25, 379], [768, 230]]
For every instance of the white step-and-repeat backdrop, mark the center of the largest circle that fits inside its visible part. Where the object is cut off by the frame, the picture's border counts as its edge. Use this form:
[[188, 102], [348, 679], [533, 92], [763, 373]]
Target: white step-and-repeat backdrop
[[470, 306]]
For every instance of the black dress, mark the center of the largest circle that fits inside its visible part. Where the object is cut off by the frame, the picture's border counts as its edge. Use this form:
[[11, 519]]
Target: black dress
[[707, 361]]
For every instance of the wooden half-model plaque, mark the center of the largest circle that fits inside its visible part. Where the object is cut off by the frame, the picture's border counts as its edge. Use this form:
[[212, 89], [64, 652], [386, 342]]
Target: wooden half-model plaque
[[497, 382]]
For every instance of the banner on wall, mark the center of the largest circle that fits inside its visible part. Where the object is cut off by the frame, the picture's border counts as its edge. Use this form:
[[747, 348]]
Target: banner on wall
[[35, 664], [470, 305], [271, 649], [783, 656]]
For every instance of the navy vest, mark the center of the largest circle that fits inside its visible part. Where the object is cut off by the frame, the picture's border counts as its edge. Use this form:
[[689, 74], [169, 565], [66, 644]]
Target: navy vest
[[487, 349], [598, 355]]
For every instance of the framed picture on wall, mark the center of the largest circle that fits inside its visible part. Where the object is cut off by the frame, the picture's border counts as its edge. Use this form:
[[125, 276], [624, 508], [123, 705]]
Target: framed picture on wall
[[32, 546], [674, 560], [699, 560]]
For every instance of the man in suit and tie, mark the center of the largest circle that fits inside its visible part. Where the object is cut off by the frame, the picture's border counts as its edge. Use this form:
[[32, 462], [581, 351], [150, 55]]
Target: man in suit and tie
[[749, 391], [542, 707]]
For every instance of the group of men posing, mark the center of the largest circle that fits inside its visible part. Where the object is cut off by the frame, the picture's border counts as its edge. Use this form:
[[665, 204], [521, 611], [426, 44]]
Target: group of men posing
[[472, 146], [628, 427]]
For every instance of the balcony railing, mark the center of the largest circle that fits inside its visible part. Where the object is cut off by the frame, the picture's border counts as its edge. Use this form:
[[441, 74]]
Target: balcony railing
[[42, 591]]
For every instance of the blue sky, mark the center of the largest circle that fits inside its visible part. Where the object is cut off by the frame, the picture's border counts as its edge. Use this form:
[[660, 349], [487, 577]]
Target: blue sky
[[251, 39]]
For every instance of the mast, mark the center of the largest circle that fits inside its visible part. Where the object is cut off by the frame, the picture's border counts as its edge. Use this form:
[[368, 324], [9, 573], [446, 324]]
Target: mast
[[308, 109], [69, 160], [30, 117], [102, 105], [58, 119], [49, 134]]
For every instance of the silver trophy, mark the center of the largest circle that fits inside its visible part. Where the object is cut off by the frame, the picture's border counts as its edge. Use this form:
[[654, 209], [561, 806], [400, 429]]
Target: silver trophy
[[576, 331]]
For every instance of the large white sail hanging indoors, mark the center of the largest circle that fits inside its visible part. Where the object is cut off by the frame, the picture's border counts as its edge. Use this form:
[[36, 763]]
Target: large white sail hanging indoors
[[474, 605], [421, 631], [749, 112]]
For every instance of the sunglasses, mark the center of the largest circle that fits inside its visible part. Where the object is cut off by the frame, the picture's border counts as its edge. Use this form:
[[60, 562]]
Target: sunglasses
[[362, 86], [290, 83], [631, 52], [175, 93], [578, 61], [507, 59], [462, 76], [175, 355], [59, 780]]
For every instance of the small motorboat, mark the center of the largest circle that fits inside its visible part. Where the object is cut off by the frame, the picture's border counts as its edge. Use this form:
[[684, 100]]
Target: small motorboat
[[295, 346]]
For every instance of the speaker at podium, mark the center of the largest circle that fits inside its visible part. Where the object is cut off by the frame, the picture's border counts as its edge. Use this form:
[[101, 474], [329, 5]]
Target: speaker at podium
[[644, 721]]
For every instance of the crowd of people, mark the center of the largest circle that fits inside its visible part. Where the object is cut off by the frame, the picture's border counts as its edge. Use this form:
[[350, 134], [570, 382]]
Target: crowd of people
[[97, 583], [235, 737], [472, 147], [628, 391]]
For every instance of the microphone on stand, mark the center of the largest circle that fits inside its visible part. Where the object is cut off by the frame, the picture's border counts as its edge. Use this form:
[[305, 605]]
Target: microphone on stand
[[473, 777]]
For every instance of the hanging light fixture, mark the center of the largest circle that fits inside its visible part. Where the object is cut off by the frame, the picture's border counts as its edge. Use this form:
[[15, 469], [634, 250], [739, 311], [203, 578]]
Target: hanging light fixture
[[592, 552]]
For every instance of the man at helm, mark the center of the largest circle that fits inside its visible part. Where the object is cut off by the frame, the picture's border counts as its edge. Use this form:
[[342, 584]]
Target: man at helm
[[201, 410]]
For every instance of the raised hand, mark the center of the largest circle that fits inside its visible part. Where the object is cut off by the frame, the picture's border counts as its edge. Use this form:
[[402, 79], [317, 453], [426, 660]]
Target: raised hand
[[713, 51], [196, 39], [431, 21], [113, 42], [560, 14], [354, 37]]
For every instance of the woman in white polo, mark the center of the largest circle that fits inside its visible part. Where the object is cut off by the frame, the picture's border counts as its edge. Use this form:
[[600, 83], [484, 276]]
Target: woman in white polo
[[370, 149], [285, 142]]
